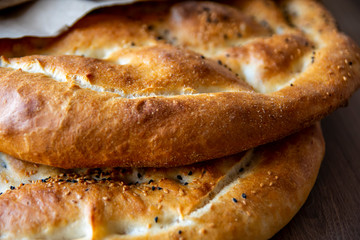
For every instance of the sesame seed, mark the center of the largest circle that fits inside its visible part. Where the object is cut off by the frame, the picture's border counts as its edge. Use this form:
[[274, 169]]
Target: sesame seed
[[234, 200], [243, 195], [156, 219]]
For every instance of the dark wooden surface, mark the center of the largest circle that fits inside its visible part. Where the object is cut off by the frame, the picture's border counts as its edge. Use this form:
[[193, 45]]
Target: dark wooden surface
[[332, 210]]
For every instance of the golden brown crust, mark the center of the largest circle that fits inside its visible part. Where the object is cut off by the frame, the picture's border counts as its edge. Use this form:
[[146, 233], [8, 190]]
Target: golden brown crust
[[204, 200], [175, 85]]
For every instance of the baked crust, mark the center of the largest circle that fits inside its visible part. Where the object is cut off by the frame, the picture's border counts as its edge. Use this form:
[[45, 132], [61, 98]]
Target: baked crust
[[153, 87], [201, 201]]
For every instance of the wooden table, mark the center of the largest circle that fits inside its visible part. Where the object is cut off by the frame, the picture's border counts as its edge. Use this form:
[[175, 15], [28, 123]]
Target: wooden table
[[332, 210]]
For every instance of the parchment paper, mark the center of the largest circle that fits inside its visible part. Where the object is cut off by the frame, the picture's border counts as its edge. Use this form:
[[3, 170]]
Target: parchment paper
[[45, 18]]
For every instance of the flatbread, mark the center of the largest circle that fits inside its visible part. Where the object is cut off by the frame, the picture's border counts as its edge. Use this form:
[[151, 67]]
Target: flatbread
[[251, 195]]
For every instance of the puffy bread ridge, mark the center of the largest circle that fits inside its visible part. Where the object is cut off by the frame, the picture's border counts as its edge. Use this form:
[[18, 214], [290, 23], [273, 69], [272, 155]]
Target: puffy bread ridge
[[179, 84], [250, 195]]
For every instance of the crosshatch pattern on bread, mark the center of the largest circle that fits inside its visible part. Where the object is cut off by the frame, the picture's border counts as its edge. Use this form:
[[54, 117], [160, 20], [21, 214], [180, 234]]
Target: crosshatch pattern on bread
[[168, 84], [251, 195]]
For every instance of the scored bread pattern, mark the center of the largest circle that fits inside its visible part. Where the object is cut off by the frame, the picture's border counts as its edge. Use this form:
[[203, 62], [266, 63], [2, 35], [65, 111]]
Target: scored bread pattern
[[195, 185], [266, 53]]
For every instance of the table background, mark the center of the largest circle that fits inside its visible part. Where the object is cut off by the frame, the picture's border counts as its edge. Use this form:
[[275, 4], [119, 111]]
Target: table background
[[332, 210]]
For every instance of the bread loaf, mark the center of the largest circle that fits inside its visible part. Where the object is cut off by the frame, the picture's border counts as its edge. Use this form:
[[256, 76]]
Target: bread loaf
[[251, 195], [170, 84]]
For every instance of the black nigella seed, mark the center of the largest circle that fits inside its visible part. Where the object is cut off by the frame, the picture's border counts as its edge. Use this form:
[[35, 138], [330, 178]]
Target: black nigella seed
[[150, 27], [186, 183], [202, 57], [243, 195], [1, 193], [350, 63], [159, 188], [150, 181], [219, 62], [190, 173], [74, 181], [234, 200], [139, 175], [156, 219], [68, 180], [241, 169], [132, 44], [43, 180], [159, 38], [86, 190], [97, 176], [3, 165], [153, 188], [180, 232], [206, 9], [179, 177], [12, 187]]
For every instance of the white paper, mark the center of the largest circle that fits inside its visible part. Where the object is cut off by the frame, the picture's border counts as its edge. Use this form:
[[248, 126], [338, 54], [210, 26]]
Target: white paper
[[46, 18]]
